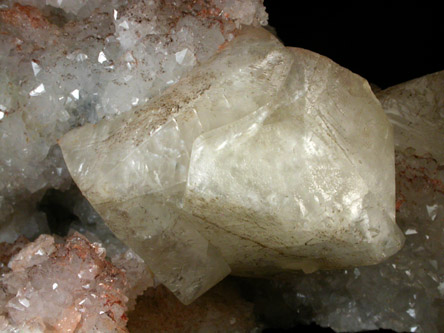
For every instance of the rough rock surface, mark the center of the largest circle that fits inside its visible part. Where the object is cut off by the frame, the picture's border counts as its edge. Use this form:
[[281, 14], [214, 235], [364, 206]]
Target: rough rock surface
[[222, 309], [416, 110], [265, 158], [406, 292]]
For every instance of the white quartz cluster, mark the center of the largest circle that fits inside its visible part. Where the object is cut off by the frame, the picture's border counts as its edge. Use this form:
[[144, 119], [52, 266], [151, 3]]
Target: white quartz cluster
[[262, 159], [65, 286], [64, 63], [405, 293]]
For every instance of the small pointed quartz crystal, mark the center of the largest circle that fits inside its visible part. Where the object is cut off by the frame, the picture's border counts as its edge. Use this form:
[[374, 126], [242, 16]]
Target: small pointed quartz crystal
[[260, 160]]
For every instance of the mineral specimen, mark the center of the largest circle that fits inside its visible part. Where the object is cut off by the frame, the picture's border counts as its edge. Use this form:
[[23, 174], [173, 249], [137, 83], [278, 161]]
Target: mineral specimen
[[67, 62], [405, 293], [61, 287], [263, 158], [258, 171], [55, 285]]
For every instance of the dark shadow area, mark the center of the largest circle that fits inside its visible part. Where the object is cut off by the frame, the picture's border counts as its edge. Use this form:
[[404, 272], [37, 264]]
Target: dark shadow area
[[57, 206], [300, 329], [277, 311], [313, 328]]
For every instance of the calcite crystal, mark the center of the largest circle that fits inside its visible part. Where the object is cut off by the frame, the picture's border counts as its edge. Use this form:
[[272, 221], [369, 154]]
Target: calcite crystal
[[260, 160], [405, 293]]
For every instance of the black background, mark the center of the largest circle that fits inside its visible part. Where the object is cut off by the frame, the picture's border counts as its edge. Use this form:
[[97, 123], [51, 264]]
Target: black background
[[385, 43]]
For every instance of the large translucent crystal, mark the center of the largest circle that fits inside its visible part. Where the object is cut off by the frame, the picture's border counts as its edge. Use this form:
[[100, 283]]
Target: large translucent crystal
[[262, 159], [406, 292]]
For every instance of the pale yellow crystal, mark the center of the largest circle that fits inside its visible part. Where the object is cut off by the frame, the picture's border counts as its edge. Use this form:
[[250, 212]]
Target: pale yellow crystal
[[306, 183], [263, 159]]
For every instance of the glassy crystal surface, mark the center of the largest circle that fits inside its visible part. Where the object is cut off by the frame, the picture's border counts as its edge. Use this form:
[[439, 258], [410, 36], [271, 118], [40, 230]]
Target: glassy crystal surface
[[405, 293], [260, 160]]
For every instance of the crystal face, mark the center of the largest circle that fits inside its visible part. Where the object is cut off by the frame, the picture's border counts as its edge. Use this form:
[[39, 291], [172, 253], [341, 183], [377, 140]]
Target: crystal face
[[262, 159], [406, 292]]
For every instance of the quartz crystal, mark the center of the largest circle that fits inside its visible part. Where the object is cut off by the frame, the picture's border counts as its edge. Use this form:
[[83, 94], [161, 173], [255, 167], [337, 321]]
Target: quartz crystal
[[64, 286], [405, 293], [262, 159]]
